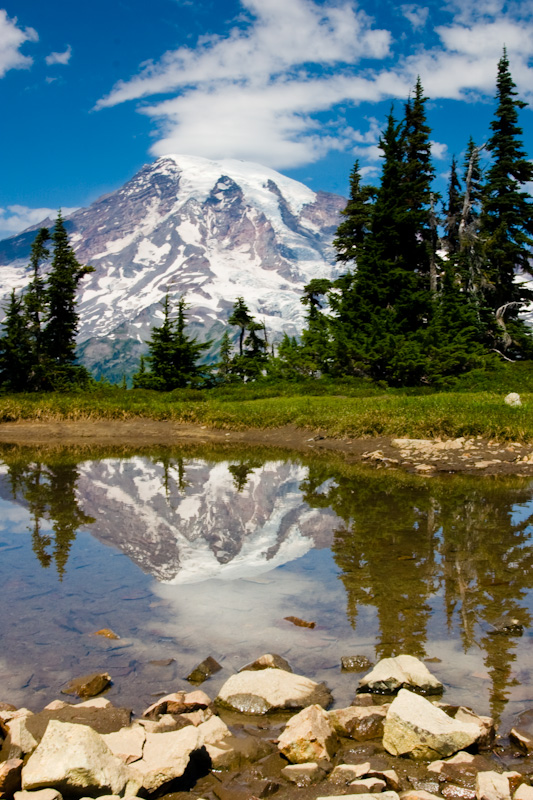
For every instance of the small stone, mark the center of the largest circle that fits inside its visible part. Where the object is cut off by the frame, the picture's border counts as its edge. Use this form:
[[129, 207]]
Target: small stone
[[269, 660], [127, 743], [366, 796], [55, 705], [162, 662], [512, 399], [308, 736], [10, 772], [88, 685], [177, 703], [453, 792], [300, 623], [390, 777], [307, 774], [418, 794], [107, 633], [355, 663], [204, 670], [367, 786], [39, 794], [346, 773], [359, 723], [492, 786]]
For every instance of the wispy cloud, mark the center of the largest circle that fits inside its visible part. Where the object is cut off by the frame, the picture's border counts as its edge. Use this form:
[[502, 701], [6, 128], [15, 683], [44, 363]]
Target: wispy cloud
[[11, 40], [59, 58], [257, 91], [15, 219]]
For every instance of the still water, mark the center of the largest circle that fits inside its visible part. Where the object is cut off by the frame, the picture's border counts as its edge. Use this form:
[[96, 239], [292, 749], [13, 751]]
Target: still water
[[186, 554]]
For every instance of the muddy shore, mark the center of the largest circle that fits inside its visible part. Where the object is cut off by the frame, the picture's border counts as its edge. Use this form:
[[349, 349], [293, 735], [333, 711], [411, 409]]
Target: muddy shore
[[428, 457]]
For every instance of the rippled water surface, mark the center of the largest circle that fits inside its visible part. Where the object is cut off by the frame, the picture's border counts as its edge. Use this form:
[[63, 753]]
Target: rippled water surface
[[190, 554]]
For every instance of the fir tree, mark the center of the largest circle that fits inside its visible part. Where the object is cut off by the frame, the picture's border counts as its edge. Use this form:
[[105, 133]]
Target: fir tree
[[453, 210], [356, 225], [507, 212], [225, 358], [59, 334], [172, 355], [240, 316], [35, 309], [15, 348]]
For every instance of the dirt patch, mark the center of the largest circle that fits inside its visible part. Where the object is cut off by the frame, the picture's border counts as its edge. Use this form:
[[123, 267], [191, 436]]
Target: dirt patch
[[422, 456]]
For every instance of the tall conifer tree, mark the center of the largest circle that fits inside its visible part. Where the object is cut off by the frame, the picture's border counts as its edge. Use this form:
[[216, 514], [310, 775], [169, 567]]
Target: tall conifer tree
[[507, 212]]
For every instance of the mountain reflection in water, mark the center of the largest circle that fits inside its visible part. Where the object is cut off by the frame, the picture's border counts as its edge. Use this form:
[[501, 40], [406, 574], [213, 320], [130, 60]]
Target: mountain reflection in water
[[423, 563]]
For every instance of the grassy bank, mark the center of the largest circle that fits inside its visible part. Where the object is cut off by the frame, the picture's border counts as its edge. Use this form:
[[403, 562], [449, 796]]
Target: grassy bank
[[473, 407]]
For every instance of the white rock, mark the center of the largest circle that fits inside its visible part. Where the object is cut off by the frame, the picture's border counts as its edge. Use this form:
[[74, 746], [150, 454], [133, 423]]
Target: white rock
[[391, 674], [21, 738], [418, 729], [127, 743], [94, 702], [55, 705], [491, 785], [304, 775], [73, 759], [513, 399], [259, 692], [40, 794], [166, 756], [213, 731], [524, 792], [308, 736], [345, 773]]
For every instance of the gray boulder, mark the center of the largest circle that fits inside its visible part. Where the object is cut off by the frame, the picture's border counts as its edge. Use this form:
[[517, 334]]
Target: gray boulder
[[416, 728], [258, 692], [403, 672]]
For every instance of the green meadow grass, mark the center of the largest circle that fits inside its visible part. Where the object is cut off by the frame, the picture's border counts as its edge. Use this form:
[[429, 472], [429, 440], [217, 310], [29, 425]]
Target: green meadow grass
[[473, 406]]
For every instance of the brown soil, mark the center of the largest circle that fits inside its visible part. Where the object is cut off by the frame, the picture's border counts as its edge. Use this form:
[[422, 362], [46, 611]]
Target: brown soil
[[477, 456]]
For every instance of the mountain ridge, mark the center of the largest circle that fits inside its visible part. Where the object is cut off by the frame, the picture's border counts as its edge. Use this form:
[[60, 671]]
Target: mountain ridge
[[211, 230]]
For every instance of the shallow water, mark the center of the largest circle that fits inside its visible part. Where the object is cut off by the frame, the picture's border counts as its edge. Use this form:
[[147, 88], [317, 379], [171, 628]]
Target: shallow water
[[186, 556]]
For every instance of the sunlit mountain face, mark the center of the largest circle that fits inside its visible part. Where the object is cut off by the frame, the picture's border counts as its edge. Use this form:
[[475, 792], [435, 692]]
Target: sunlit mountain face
[[209, 230]]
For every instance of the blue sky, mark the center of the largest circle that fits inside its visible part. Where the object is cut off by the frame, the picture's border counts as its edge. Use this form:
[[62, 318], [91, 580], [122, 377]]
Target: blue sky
[[91, 92]]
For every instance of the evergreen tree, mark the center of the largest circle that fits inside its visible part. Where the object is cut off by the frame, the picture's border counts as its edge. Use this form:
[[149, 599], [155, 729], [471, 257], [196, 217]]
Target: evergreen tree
[[35, 309], [240, 316], [353, 229], [59, 334], [225, 358], [453, 210], [507, 212], [172, 355], [15, 348]]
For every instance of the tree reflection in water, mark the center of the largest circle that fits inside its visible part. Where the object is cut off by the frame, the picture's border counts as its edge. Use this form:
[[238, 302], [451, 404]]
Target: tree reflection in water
[[49, 490], [403, 539]]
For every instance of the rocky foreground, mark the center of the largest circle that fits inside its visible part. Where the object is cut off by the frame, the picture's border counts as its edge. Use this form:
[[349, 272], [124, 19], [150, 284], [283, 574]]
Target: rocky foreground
[[268, 733]]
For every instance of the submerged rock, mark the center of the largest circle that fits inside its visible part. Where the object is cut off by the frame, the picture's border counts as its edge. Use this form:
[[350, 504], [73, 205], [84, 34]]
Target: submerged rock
[[392, 674], [178, 703], [416, 728], [269, 660], [204, 670], [355, 663], [266, 690], [88, 685], [308, 736]]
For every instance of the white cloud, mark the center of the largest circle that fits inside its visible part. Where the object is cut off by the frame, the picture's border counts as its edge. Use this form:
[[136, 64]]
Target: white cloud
[[15, 219], [255, 92], [417, 15], [59, 58], [439, 150], [11, 39]]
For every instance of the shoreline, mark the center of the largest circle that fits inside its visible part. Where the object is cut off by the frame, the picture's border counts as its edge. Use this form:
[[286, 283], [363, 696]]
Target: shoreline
[[418, 456]]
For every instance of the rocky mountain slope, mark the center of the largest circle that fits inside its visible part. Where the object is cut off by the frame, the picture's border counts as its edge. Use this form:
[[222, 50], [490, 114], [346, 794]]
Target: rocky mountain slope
[[212, 230]]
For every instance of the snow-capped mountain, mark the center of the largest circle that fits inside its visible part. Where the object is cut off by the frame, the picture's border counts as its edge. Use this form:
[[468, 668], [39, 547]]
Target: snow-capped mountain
[[191, 525], [212, 230]]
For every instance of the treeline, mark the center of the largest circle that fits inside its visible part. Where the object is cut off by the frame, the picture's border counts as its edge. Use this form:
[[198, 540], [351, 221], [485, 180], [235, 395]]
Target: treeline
[[430, 288], [38, 346]]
